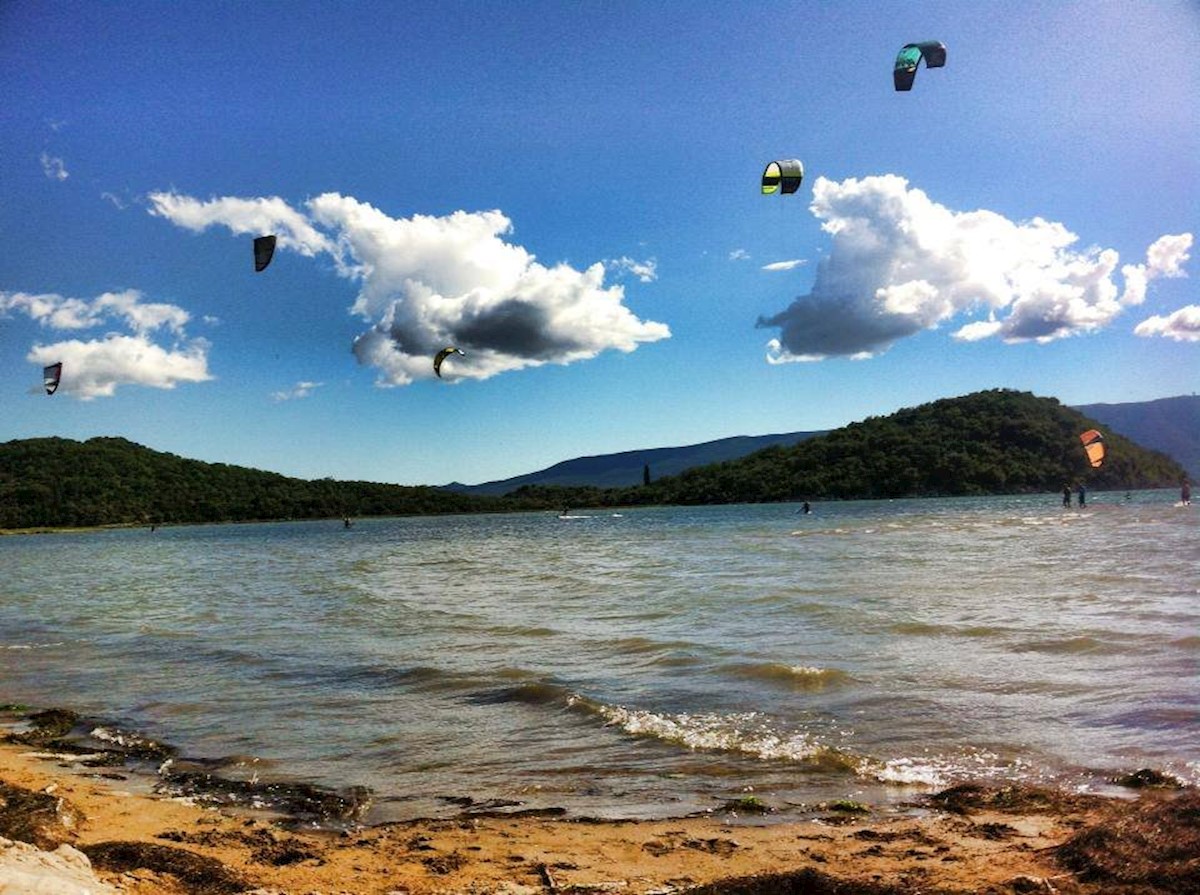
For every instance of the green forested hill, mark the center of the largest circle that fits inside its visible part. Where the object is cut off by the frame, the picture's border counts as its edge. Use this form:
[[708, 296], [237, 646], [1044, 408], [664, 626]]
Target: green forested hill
[[104, 481], [990, 442]]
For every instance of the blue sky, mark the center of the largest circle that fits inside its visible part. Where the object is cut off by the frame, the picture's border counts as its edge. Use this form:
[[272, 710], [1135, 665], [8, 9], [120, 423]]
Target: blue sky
[[570, 192]]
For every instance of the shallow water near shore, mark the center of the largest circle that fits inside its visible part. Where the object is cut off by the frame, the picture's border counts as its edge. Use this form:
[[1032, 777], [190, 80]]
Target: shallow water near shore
[[637, 663]]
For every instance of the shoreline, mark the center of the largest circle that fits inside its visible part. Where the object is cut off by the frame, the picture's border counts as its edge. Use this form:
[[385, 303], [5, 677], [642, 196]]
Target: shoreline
[[970, 838], [554, 508]]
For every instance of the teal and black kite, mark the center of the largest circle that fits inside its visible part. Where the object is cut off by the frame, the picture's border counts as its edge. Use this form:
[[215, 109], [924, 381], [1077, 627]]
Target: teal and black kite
[[933, 52]]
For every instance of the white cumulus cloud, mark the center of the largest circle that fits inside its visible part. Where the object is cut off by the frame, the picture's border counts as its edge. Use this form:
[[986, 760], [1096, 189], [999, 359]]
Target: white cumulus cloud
[[254, 217], [426, 282], [94, 368], [901, 263], [1182, 325], [1164, 258]]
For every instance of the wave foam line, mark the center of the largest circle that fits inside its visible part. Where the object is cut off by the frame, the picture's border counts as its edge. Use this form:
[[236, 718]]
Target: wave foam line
[[743, 733]]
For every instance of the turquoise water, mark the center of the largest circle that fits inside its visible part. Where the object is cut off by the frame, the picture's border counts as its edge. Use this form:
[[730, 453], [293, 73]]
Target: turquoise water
[[640, 663]]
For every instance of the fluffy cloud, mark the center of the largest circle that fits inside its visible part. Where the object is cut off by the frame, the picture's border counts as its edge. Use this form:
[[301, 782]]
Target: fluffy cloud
[[784, 265], [1182, 326], [53, 167], [1164, 258], [245, 216], [646, 271], [57, 312], [428, 282], [901, 263], [96, 367]]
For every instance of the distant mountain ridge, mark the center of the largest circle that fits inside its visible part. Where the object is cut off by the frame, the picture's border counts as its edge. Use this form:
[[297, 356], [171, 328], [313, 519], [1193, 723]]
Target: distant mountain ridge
[[626, 468], [1169, 425]]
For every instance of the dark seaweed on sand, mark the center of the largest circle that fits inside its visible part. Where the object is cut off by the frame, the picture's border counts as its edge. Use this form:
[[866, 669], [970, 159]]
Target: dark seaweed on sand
[[34, 817], [301, 801], [62, 730], [803, 882], [1154, 848], [1015, 799], [199, 874]]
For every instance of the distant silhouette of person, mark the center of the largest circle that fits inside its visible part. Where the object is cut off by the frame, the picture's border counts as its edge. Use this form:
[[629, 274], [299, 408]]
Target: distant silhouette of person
[[1066, 495], [1082, 495], [807, 509], [1185, 493], [346, 522]]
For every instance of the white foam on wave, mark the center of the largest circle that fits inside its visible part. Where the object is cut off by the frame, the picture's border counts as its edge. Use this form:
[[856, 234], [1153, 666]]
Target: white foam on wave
[[744, 732], [809, 533], [811, 671], [123, 739], [911, 772], [939, 771]]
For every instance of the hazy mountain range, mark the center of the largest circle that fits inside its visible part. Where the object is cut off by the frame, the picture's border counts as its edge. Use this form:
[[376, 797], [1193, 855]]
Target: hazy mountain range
[[1170, 425]]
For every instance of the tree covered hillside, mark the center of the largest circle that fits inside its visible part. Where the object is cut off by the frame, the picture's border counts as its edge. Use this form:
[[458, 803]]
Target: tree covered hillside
[[989, 442], [104, 481], [986, 443]]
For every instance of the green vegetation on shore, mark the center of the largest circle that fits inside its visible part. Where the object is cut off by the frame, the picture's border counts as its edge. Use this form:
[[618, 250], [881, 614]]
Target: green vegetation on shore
[[991, 442]]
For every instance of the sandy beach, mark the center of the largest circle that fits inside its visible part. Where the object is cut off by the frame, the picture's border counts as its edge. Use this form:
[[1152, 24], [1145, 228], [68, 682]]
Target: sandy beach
[[969, 839]]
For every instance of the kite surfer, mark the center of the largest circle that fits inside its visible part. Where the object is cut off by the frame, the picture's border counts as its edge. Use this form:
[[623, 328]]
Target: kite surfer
[[1185, 493], [1082, 495], [1066, 495]]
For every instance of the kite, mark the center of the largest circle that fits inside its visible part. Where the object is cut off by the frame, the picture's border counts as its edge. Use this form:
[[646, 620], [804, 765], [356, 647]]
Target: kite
[[910, 55], [1093, 443], [51, 376], [783, 176], [441, 356], [264, 249]]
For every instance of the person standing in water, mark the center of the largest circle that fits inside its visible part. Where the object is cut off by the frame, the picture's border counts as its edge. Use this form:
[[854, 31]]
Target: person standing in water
[[1185, 493], [1066, 495], [1082, 495]]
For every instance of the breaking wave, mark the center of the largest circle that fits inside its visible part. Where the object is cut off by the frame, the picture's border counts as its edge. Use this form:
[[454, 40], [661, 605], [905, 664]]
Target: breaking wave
[[796, 677], [744, 733]]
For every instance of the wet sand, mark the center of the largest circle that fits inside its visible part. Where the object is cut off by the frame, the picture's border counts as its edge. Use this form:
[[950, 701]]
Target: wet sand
[[969, 839]]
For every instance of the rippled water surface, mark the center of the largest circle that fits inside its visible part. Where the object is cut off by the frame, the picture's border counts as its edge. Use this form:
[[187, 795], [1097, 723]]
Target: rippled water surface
[[651, 661]]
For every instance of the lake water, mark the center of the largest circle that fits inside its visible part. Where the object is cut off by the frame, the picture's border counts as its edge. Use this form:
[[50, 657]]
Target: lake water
[[645, 662]]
